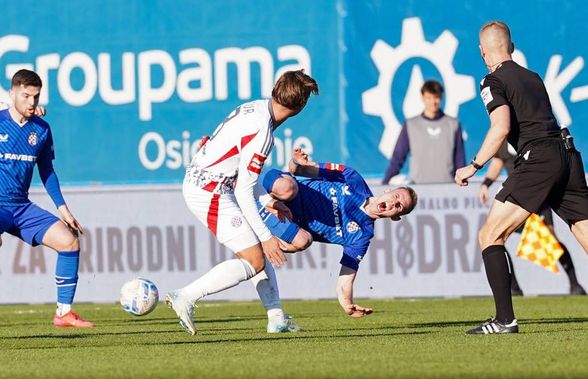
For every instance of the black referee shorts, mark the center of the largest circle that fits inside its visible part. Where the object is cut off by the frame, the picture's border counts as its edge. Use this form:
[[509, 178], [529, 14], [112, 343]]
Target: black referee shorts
[[546, 215], [546, 173]]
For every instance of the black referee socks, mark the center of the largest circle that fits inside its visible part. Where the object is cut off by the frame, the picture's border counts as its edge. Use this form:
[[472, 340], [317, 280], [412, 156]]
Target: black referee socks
[[566, 262], [498, 273]]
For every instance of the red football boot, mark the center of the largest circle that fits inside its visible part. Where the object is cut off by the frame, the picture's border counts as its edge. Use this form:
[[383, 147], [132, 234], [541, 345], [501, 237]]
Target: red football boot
[[71, 319]]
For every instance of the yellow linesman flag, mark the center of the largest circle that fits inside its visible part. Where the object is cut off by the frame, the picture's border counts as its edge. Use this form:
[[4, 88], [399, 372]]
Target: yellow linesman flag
[[539, 245]]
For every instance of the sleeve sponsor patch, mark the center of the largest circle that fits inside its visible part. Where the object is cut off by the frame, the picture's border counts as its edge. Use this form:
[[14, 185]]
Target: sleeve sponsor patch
[[486, 96], [335, 167], [256, 163]]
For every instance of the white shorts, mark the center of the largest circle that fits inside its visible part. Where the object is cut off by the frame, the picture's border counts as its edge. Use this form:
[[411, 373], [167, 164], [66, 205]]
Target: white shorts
[[222, 215]]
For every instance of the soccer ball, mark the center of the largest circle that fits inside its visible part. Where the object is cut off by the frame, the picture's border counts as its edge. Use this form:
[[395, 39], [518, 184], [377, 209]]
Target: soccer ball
[[139, 296]]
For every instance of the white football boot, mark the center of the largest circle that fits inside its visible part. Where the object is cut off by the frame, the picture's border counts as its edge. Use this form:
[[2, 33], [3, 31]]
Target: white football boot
[[284, 326], [183, 308]]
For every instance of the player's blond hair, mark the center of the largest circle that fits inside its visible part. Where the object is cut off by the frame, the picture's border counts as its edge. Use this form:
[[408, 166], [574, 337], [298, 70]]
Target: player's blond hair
[[293, 89], [500, 31]]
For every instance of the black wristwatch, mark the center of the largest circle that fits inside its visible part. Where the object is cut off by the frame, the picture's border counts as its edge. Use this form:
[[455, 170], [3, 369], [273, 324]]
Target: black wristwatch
[[476, 166]]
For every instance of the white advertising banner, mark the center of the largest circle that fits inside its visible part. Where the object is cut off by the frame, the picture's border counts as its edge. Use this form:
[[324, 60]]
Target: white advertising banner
[[148, 232]]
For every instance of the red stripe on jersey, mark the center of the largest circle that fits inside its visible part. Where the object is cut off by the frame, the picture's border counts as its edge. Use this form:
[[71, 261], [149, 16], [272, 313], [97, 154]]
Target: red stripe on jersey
[[212, 218], [203, 141], [210, 186], [234, 151], [245, 140], [256, 163], [335, 167]]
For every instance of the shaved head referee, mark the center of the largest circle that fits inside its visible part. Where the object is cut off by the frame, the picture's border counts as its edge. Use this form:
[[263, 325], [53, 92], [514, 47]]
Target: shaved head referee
[[548, 168]]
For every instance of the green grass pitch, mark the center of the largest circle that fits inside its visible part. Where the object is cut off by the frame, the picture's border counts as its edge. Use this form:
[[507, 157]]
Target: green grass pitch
[[402, 339]]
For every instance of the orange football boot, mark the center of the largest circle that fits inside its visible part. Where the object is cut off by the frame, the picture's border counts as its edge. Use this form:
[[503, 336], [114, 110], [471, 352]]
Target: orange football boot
[[71, 319]]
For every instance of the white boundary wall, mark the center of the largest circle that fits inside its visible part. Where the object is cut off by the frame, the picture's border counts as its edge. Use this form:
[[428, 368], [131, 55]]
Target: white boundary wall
[[147, 231]]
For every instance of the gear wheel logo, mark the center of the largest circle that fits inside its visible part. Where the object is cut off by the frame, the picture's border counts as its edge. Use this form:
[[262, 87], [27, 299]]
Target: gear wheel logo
[[377, 101]]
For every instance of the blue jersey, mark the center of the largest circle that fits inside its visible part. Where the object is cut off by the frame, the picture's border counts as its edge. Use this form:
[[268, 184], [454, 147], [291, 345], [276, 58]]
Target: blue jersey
[[330, 207], [21, 147]]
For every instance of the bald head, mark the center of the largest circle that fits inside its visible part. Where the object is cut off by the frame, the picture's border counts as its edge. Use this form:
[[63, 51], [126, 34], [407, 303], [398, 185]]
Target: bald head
[[285, 188], [495, 38]]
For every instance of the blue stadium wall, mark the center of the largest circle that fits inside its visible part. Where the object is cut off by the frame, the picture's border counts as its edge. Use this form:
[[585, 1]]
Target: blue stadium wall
[[131, 86]]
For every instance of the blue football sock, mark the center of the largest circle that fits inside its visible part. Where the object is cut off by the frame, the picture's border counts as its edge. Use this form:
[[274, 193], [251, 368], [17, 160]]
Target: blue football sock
[[66, 275]]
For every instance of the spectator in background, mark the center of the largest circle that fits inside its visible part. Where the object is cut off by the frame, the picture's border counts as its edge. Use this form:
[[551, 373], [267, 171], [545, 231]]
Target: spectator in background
[[505, 158], [433, 139]]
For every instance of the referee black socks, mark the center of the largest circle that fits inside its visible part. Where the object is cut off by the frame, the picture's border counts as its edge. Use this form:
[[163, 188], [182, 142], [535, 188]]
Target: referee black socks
[[498, 272], [566, 262]]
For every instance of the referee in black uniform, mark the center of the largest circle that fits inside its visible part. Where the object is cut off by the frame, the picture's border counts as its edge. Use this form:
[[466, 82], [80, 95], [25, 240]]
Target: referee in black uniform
[[548, 169]]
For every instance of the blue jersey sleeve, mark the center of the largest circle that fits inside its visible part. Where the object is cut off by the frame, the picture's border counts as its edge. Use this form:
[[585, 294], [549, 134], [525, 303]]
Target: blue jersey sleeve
[[340, 173], [47, 173], [353, 254], [335, 172]]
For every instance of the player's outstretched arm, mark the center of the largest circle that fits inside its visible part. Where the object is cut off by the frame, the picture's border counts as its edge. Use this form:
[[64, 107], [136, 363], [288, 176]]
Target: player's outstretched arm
[[300, 165], [51, 183], [345, 294]]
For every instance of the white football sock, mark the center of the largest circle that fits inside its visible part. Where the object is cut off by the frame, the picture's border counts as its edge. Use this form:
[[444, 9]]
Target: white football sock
[[62, 309], [224, 275], [266, 285]]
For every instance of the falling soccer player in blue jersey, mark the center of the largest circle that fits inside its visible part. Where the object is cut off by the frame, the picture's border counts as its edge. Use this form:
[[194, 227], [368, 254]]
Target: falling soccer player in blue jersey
[[26, 141], [334, 206]]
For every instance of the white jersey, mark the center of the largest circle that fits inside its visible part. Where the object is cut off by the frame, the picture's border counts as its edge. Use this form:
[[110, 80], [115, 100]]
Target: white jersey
[[232, 159]]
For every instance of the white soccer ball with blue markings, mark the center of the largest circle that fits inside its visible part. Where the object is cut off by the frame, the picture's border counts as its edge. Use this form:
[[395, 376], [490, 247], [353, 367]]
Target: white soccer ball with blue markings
[[139, 296]]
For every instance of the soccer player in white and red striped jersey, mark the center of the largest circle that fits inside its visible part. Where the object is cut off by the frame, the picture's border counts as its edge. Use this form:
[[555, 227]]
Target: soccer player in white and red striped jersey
[[221, 188]]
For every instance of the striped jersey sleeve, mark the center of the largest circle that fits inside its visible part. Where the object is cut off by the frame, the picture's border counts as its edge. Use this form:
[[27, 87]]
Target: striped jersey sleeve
[[253, 156]]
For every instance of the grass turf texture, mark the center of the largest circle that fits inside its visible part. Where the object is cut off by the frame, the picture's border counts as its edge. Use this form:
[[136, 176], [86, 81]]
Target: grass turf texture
[[403, 338]]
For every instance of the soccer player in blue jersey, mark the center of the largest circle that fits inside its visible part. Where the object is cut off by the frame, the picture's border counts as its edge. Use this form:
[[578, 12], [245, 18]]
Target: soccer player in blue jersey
[[334, 206], [26, 141]]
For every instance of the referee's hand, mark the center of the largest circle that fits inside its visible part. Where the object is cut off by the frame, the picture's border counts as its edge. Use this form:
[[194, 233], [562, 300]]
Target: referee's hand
[[463, 174], [483, 194]]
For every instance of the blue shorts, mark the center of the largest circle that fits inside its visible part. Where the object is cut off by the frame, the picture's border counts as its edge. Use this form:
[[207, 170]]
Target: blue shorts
[[26, 221], [286, 231]]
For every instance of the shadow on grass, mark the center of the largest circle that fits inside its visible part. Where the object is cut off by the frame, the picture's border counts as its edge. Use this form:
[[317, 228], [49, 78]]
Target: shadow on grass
[[524, 321], [93, 333], [172, 316], [287, 337], [48, 336], [86, 335], [200, 339], [125, 321]]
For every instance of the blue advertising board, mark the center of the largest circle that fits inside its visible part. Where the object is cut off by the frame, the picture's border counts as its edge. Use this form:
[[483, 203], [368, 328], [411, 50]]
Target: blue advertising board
[[392, 47], [130, 87]]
